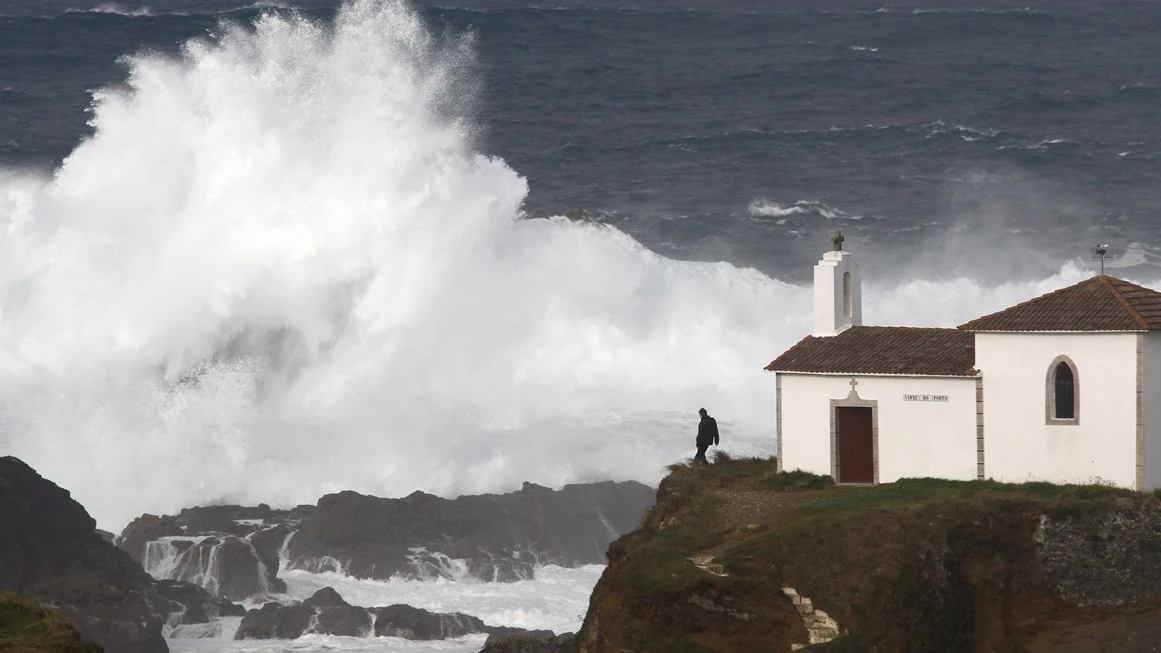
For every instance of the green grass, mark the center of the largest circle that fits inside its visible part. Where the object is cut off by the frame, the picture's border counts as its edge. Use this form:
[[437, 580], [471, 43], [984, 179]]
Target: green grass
[[660, 553], [689, 506], [725, 468], [679, 525], [796, 480], [911, 492], [661, 568], [878, 520], [28, 627]]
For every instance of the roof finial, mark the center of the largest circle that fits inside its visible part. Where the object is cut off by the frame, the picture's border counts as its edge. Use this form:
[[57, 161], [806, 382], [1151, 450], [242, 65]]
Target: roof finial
[[836, 240]]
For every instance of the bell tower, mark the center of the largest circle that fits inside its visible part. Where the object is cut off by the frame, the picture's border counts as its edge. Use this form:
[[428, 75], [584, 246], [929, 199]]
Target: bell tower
[[838, 293]]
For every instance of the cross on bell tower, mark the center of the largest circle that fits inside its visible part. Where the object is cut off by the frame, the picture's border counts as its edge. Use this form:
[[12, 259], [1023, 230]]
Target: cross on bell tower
[[837, 290]]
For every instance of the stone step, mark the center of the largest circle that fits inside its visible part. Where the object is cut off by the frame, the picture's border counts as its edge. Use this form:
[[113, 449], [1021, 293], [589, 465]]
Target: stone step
[[706, 563], [820, 626]]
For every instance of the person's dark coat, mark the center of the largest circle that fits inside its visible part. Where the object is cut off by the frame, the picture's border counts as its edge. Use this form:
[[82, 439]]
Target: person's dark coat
[[707, 432]]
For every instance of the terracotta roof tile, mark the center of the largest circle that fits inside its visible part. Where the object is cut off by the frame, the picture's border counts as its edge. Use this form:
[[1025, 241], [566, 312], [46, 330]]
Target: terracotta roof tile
[[1102, 303], [883, 350]]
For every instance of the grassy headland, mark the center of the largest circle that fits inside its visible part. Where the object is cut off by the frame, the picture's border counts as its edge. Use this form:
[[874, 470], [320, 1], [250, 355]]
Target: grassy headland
[[916, 565]]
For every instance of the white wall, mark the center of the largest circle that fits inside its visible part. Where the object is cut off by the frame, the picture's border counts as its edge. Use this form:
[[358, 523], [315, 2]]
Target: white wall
[[1152, 404], [830, 316], [1020, 446], [915, 438]]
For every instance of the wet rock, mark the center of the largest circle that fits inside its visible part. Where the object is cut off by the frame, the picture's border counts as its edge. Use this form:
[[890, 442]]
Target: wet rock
[[267, 543], [535, 641], [336, 616], [492, 537], [239, 521], [144, 529], [192, 604], [275, 621], [226, 566], [324, 613], [414, 623]]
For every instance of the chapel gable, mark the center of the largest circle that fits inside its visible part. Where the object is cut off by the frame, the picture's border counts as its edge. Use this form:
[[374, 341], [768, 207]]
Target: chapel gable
[[1101, 303]]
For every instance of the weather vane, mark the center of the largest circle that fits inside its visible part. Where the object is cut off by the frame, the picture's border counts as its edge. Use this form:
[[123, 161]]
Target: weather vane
[[1101, 251]]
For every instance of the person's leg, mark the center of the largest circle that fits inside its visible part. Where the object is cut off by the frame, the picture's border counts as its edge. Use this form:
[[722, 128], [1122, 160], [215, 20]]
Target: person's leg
[[700, 457]]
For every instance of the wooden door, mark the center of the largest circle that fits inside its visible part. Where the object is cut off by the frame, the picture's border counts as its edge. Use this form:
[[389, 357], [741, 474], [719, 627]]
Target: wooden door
[[856, 445]]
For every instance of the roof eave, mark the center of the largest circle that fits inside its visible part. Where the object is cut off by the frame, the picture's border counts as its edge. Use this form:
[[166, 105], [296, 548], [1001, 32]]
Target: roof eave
[[1059, 331], [971, 375]]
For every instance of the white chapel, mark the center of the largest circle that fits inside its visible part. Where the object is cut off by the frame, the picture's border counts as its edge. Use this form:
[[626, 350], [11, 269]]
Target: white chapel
[[1065, 387]]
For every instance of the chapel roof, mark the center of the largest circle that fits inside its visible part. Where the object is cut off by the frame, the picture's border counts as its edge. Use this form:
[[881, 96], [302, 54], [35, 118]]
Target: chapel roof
[[1102, 303], [883, 350]]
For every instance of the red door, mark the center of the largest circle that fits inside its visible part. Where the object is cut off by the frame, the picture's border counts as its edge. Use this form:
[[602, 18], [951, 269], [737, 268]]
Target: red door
[[856, 445]]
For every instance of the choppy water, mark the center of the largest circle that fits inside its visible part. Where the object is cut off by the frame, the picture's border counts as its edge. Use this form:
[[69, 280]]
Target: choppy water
[[1016, 128], [555, 600]]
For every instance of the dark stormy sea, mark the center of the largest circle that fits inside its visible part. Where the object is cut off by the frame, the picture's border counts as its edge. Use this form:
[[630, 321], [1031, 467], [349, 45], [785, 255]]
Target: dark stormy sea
[[259, 252]]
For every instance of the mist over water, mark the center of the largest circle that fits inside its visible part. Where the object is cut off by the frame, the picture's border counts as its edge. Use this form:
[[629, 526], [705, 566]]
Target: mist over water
[[283, 266]]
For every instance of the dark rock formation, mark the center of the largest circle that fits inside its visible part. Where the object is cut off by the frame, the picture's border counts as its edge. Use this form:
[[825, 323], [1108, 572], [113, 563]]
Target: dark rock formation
[[500, 537], [246, 540], [226, 566], [336, 616], [413, 623], [234, 551], [275, 621], [326, 613], [535, 641], [238, 560], [145, 528], [191, 604], [49, 549], [266, 544], [330, 614], [239, 521]]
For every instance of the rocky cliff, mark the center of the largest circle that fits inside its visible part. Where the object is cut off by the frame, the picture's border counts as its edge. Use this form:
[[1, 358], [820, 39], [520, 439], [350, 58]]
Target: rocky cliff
[[50, 549], [495, 537], [231, 551], [237, 551], [326, 613], [736, 557]]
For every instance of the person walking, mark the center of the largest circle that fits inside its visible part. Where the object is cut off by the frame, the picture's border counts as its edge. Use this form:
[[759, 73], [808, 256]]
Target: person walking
[[707, 434]]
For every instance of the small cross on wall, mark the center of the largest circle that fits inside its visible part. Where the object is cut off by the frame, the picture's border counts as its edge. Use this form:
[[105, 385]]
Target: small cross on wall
[[836, 239], [853, 384]]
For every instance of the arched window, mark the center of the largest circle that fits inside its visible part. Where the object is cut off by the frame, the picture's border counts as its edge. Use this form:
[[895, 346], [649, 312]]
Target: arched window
[[1062, 386], [1063, 392], [847, 307]]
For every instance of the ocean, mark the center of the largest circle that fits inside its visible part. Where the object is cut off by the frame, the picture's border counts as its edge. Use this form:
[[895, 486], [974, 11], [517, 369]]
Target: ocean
[[260, 252]]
